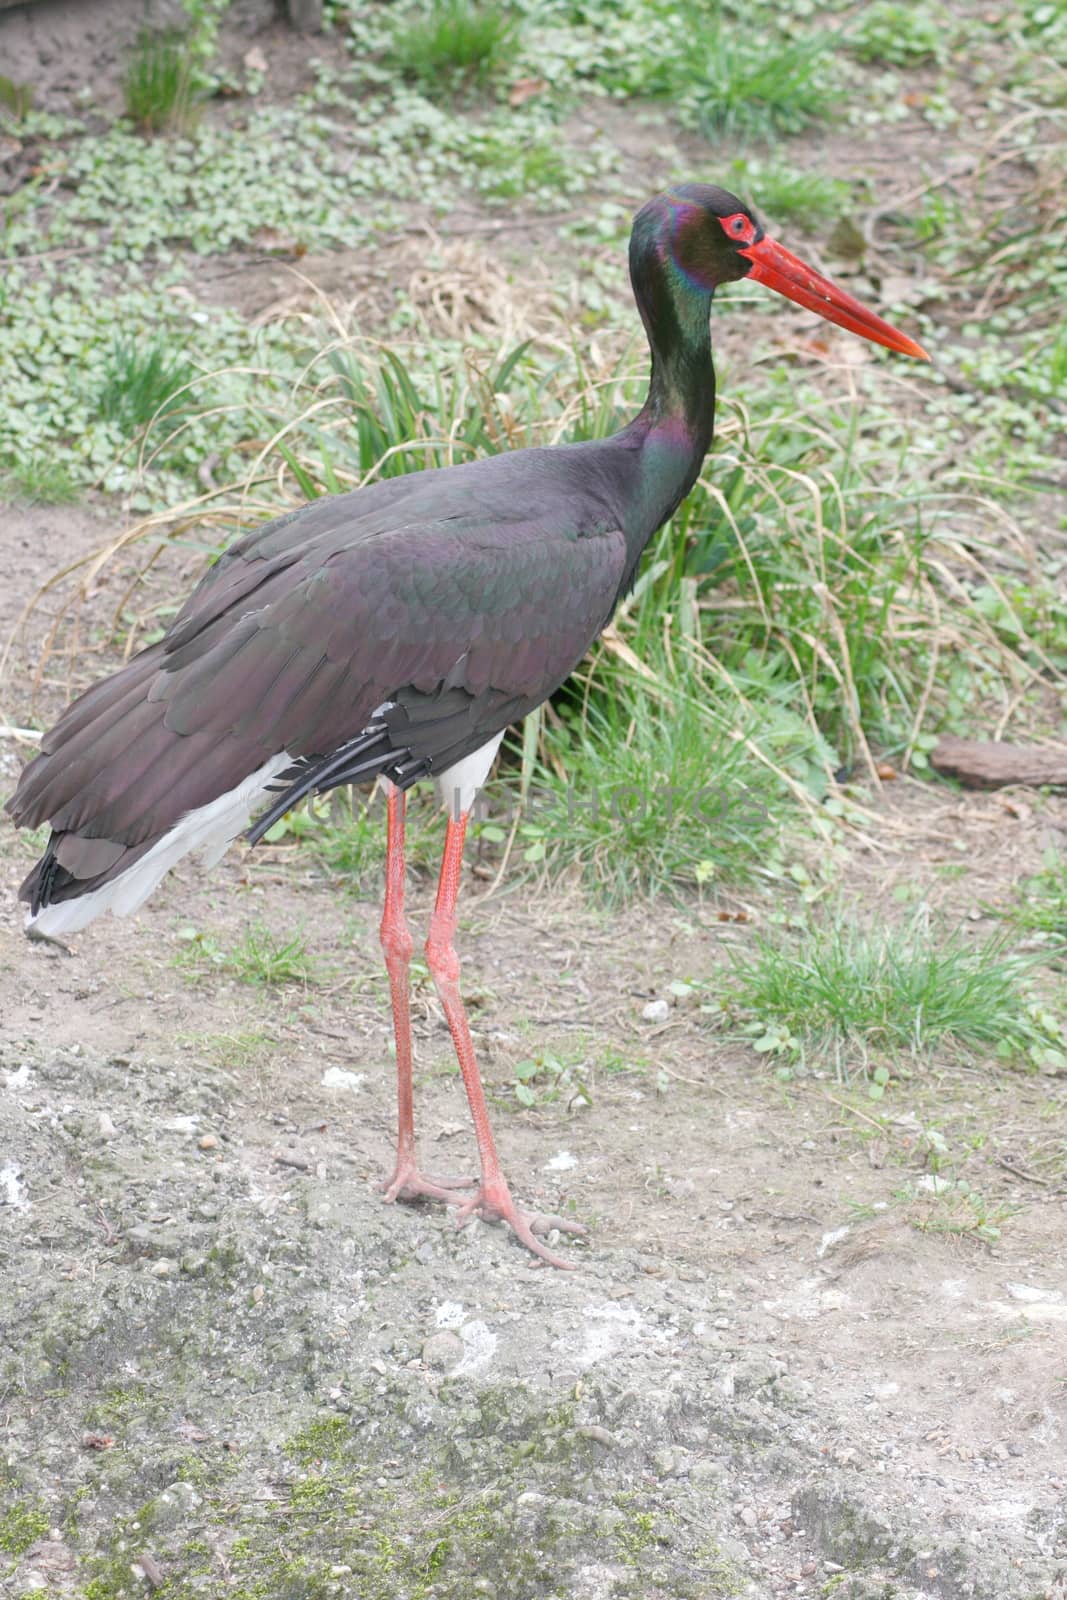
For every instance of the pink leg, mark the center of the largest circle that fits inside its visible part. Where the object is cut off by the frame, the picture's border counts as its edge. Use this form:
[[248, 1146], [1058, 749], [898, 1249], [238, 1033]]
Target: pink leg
[[407, 1181], [492, 1197]]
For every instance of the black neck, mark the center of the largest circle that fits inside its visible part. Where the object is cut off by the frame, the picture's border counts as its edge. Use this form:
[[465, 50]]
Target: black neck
[[674, 426]]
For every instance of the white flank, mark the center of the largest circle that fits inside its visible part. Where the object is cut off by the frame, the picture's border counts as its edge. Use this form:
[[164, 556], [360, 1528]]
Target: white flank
[[210, 829], [457, 787]]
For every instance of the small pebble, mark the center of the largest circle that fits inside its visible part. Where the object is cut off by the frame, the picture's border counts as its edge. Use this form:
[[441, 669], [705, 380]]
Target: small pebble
[[106, 1128], [442, 1350], [207, 1141], [163, 1268], [656, 1011]]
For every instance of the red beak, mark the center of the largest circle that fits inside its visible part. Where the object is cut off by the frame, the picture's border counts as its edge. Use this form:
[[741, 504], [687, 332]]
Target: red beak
[[779, 269]]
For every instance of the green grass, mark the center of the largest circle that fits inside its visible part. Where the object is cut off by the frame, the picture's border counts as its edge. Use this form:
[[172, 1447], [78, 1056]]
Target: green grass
[[157, 87], [259, 957], [455, 43], [838, 992], [742, 80], [37, 480], [15, 98], [784, 193], [756, 88], [651, 784], [900, 35], [1042, 899], [144, 383]]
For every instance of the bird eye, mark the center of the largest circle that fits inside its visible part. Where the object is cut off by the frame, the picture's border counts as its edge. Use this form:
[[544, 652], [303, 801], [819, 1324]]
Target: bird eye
[[739, 227]]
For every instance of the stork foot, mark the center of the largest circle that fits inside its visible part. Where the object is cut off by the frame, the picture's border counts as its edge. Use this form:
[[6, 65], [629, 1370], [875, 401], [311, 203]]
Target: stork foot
[[493, 1202], [408, 1183]]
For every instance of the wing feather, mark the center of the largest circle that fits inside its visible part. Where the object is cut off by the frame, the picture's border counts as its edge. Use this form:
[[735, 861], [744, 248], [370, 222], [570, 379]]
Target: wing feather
[[436, 596]]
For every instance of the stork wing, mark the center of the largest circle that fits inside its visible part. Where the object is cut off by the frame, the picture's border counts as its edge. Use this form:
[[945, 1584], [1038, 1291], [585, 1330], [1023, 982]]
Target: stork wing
[[441, 595]]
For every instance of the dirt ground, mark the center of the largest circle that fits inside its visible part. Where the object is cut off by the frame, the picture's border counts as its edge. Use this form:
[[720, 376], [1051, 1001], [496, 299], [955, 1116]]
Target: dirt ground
[[787, 1362]]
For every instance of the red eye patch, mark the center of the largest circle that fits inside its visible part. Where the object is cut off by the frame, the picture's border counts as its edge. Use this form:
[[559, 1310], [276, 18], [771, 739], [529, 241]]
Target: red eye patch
[[740, 228]]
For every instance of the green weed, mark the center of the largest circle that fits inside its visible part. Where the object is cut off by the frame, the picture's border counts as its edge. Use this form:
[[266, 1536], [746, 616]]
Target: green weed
[[241, 1049], [742, 81], [837, 990], [158, 84], [784, 193], [954, 1207], [1042, 899], [900, 35], [38, 480], [456, 43], [16, 98], [144, 383], [757, 88], [649, 785], [546, 1077], [260, 957]]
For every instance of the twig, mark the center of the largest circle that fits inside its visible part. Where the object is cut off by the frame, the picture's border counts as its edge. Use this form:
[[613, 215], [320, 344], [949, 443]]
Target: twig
[[1027, 1177], [856, 1112]]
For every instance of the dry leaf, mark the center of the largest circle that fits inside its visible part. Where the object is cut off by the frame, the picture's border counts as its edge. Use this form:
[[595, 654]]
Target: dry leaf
[[525, 89]]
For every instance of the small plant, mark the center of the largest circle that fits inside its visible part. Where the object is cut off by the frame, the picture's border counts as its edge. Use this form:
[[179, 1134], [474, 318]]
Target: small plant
[[951, 1205], [158, 84], [740, 81], [1042, 904], [15, 97], [39, 481], [657, 791], [784, 193], [455, 43], [543, 1078], [143, 384], [757, 88], [260, 957], [899, 35], [346, 831]]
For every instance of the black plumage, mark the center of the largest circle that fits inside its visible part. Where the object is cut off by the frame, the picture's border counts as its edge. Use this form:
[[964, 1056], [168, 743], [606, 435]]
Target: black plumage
[[439, 596], [396, 631]]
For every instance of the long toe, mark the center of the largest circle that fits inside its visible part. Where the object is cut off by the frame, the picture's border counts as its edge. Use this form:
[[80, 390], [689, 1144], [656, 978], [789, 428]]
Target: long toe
[[496, 1204], [408, 1183]]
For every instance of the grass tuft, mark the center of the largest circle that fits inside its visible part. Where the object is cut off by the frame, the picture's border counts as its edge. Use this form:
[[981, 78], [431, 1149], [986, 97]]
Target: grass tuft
[[142, 384], [158, 84], [38, 480], [741, 81], [756, 88], [787, 193], [840, 991], [648, 786], [260, 957], [454, 44], [900, 35]]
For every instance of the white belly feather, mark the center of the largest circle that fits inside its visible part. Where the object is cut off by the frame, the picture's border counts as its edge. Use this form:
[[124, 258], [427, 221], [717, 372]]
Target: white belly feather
[[211, 829]]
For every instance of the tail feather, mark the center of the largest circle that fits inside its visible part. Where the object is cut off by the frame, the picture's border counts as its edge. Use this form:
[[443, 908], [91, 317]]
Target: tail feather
[[358, 761]]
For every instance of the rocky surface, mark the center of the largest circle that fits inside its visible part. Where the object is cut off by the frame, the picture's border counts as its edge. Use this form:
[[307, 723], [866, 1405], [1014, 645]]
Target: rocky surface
[[228, 1369]]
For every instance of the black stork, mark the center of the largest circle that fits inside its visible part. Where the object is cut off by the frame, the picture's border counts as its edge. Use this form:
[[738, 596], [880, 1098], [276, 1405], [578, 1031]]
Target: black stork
[[393, 633]]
